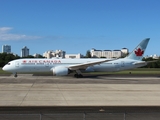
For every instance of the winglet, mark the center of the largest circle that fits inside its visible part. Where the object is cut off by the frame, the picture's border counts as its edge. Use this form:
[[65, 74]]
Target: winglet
[[137, 53]]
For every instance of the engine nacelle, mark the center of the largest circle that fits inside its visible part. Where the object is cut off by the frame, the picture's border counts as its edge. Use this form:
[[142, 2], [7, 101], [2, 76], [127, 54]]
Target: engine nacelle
[[60, 71]]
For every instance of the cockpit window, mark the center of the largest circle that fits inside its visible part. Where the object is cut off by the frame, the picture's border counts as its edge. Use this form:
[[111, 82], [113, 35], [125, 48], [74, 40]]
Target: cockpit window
[[8, 63]]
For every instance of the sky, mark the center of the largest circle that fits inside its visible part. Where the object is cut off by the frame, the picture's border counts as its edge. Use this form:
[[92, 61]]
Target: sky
[[76, 26]]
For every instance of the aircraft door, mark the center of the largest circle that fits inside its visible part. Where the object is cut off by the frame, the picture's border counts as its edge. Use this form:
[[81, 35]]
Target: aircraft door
[[47, 64], [122, 64], [117, 66], [17, 64]]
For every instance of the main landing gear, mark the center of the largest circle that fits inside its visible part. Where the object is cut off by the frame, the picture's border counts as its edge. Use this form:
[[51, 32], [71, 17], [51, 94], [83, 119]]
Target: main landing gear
[[78, 75]]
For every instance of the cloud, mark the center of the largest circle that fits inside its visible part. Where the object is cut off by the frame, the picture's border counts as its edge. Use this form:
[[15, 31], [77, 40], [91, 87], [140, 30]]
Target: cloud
[[6, 36], [5, 29]]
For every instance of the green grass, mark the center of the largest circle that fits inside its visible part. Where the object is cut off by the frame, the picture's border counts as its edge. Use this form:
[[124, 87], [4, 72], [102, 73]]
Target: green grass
[[133, 71]]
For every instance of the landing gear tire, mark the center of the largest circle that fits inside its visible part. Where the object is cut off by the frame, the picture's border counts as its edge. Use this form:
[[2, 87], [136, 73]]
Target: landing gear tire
[[78, 76], [15, 75]]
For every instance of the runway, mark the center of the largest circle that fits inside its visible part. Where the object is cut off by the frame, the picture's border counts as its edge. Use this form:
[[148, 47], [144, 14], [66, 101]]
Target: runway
[[91, 79], [27, 90], [96, 98]]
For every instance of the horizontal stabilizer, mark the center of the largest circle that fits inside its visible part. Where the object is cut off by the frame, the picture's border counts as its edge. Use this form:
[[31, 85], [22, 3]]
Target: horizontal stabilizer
[[151, 61], [140, 63], [144, 62]]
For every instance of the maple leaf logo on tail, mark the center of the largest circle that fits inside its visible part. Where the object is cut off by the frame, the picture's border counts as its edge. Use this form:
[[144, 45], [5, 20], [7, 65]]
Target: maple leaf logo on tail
[[139, 52]]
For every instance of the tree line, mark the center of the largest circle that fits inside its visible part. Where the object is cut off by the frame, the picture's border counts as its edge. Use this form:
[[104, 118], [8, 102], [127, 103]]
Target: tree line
[[5, 58], [155, 64]]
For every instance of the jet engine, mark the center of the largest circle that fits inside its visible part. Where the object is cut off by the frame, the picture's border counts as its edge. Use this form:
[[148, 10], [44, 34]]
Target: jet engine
[[60, 71]]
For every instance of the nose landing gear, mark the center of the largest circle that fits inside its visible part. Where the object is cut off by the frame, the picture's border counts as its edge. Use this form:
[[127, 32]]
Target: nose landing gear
[[15, 75]]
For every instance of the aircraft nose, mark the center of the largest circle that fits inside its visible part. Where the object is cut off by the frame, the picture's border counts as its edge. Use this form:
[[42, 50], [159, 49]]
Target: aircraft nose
[[3, 68]]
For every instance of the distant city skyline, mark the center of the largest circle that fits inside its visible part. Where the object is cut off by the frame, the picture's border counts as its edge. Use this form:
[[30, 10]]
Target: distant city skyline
[[94, 53], [25, 51], [6, 48]]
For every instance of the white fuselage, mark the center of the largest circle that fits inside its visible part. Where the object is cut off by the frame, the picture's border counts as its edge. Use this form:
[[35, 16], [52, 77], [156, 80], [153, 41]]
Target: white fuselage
[[46, 65], [61, 67]]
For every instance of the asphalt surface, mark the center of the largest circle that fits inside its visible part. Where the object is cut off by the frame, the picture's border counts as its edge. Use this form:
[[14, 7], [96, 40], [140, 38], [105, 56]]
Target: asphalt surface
[[87, 79], [149, 86], [80, 113]]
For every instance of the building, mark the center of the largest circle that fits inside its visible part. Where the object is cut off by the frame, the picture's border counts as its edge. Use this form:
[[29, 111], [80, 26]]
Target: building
[[124, 51], [24, 52], [6, 49], [36, 55], [77, 56], [116, 53], [48, 54], [57, 53], [96, 53], [155, 56], [60, 53], [108, 53]]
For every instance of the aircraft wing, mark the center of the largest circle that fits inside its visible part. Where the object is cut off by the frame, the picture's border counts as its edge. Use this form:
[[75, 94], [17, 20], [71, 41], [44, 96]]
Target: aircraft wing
[[85, 65]]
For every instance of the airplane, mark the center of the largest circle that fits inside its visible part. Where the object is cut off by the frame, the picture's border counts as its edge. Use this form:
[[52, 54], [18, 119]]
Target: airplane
[[63, 67]]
